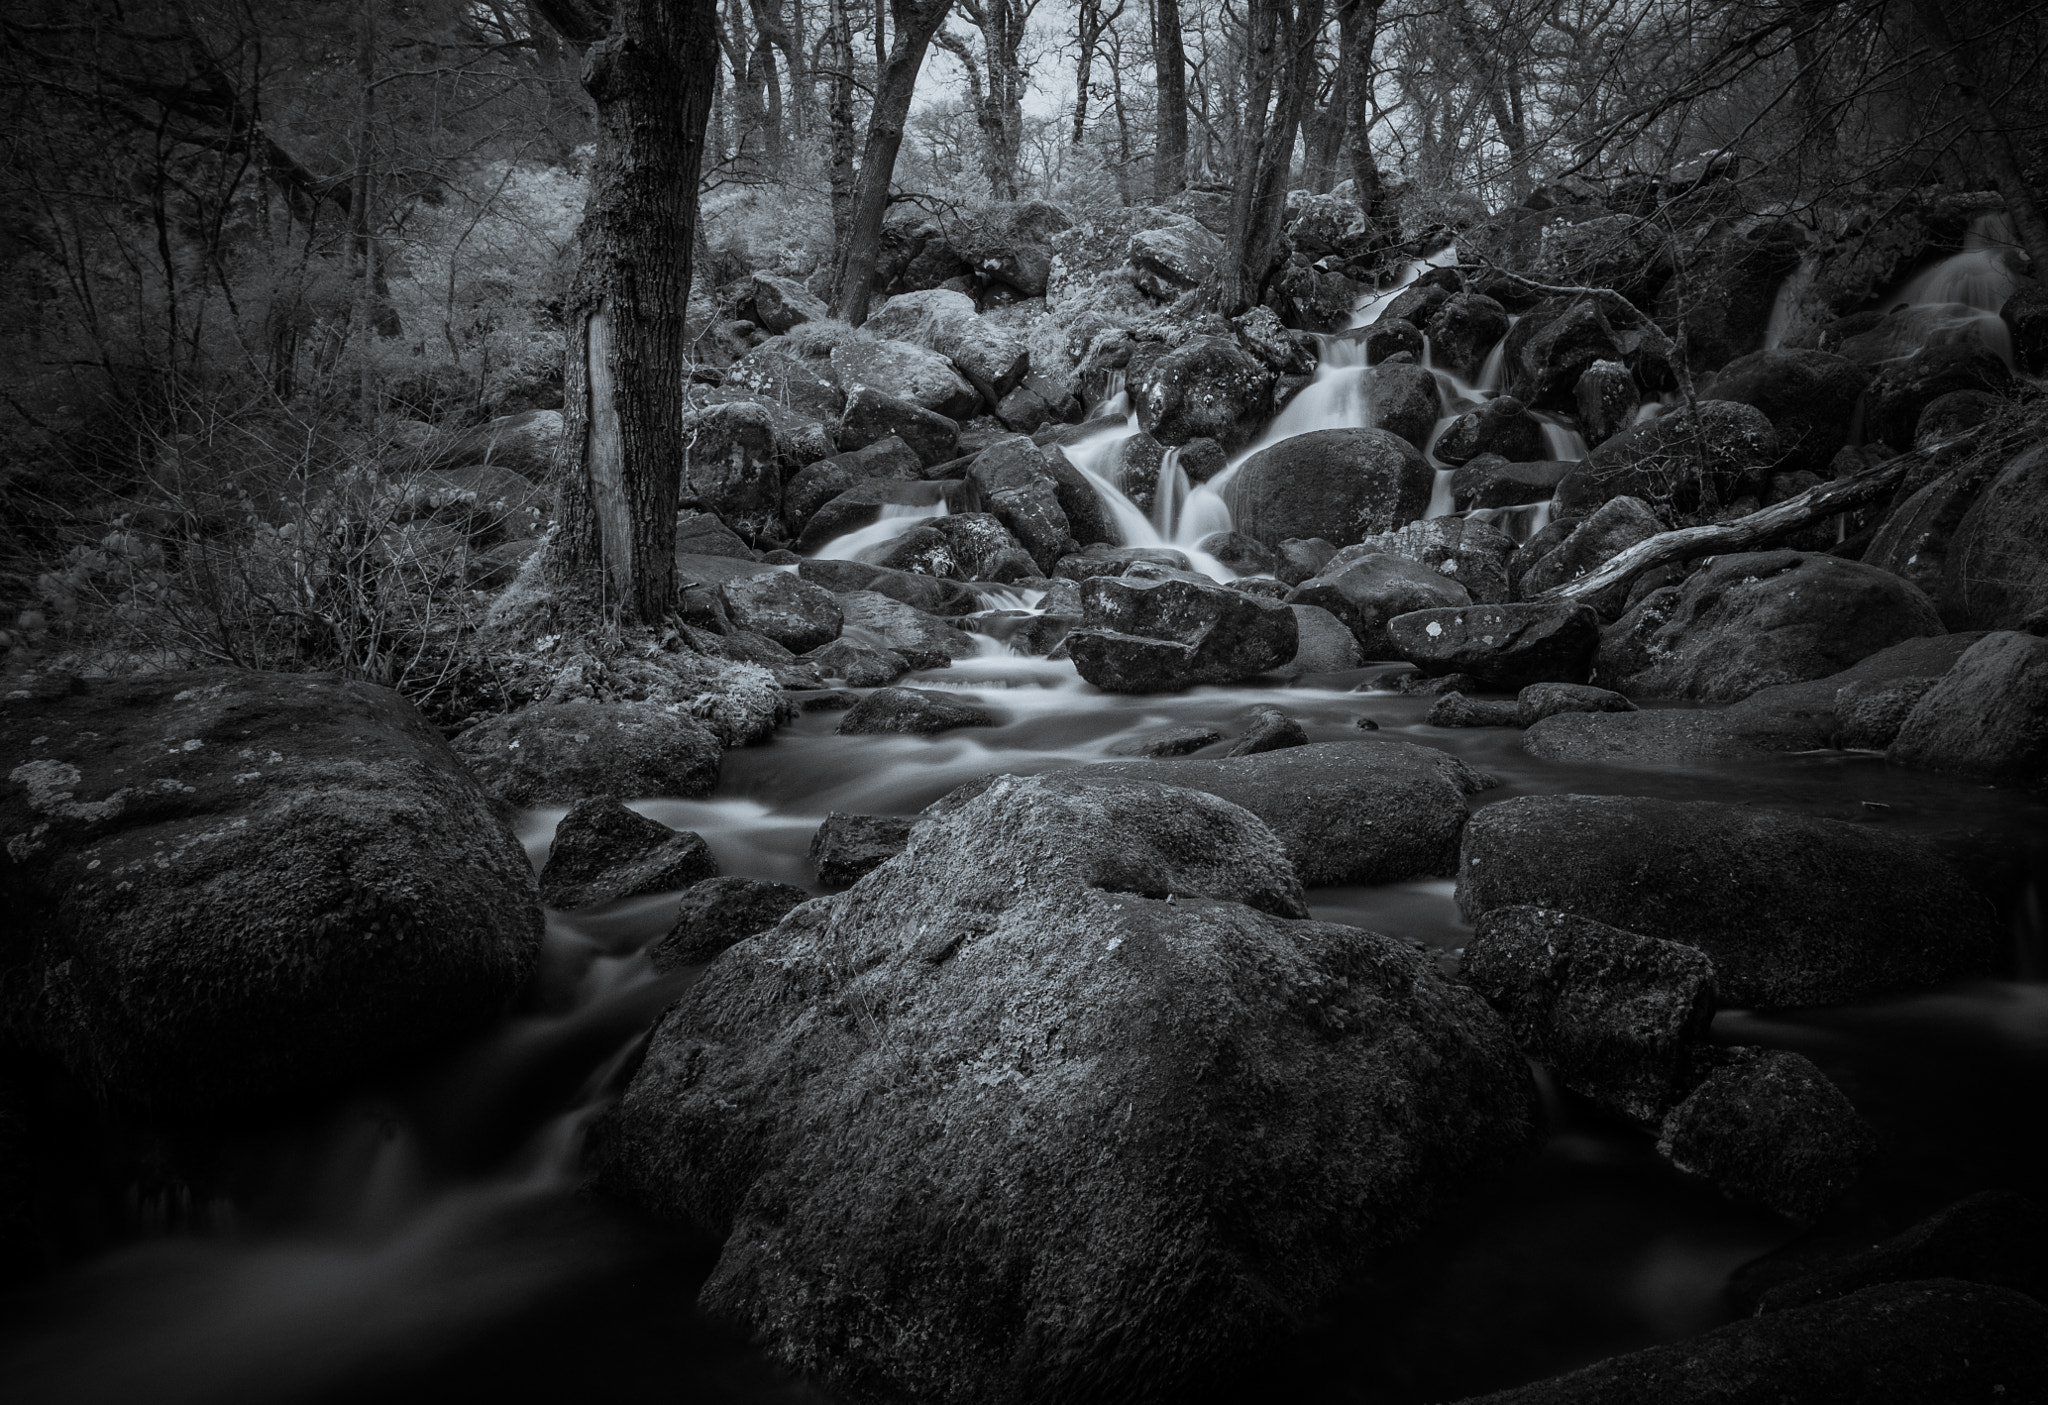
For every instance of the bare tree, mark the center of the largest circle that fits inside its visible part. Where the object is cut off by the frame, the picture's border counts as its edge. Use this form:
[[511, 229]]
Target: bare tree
[[1170, 158], [1280, 82]]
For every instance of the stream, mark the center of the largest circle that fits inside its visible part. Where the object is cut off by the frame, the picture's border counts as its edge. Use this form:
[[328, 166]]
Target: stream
[[424, 1237]]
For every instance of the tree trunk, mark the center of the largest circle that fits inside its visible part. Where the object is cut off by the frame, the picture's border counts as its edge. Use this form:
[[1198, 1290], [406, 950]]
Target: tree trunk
[[1994, 138], [840, 118], [1326, 134], [651, 75], [1280, 82], [1358, 26], [1170, 159], [916, 22]]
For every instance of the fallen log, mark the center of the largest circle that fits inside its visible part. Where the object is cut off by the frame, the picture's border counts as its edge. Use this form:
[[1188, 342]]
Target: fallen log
[[1765, 525]]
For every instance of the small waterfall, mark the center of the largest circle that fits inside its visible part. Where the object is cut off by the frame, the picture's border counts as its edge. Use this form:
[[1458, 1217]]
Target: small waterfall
[[896, 519], [1520, 522], [1563, 443], [1170, 493], [1496, 364], [1440, 494], [1786, 303], [1958, 299]]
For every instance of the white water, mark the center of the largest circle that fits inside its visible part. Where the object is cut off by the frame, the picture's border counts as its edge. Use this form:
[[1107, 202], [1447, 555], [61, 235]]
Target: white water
[[896, 519]]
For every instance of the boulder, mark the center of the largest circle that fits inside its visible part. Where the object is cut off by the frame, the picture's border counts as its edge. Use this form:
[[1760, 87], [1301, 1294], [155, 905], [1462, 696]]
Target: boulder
[[1403, 400], [602, 851], [1613, 527], [703, 534], [816, 484], [235, 889], [1298, 558], [1341, 485], [2025, 315], [1868, 714], [1987, 716], [1386, 337], [1207, 387], [1119, 561], [1150, 636], [778, 304], [1108, 1002], [526, 444], [906, 371], [1500, 426], [1491, 481], [931, 593], [961, 546], [1559, 338], [1541, 700], [1325, 644], [1754, 619], [794, 613], [1621, 1018], [488, 503], [847, 848], [1939, 1342], [873, 414], [792, 374], [923, 640], [1723, 290], [1810, 398], [1768, 1128], [993, 358], [1368, 590], [1454, 709], [916, 711], [1167, 741], [1854, 911], [730, 465], [1175, 258], [720, 912], [1680, 463], [1268, 729], [1015, 479], [1993, 1237], [1463, 330], [1994, 572], [1947, 418], [1346, 812], [1903, 388], [857, 665], [1502, 647], [559, 753], [1606, 399], [1238, 552], [1472, 553]]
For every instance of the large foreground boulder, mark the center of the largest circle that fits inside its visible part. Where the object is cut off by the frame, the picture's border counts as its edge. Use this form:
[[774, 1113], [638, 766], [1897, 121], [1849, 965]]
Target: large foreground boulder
[[1160, 635], [1205, 388], [1366, 591], [225, 886], [1995, 573], [1935, 1342], [1987, 716], [1759, 618], [1793, 910], [1059, 1104], [1341, 485], [559, 753]]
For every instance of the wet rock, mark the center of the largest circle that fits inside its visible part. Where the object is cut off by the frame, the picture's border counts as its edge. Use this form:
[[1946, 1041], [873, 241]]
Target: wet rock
[[603, 851], [1754, 619], [861, 506], [1559, 338], [1041, 903], [1268, 729], [857, 665], [229, 888], [1725, 288], [721, 912], [1367, 591], [1855, 911], [1541, 700], [1296, 559], [794, 613], [1994, 572], [1939, 1342], [933, 594], [847, 848], [1403, 400], [1622, 1018], [1175, 258], [906, 371], [1168, 741], [1454, 709], [1117, 561], [1987, 716], [1995, 1238], [1387, 337], [1341, 485], [1207, 387], [1902, 389], [1868, 715], [977, 547], [1267, 588], [559, 753], [1546, 540], [1613, 528], [1149, 636], [1473, 554], [1678, 463], [1016, 481], [1025, 411], [1787, 717], [1500, 426], [1606, 398], [1491, 481], [872, 414], [1239, 552], [1949, 416], [1417, 303], [1287, 351], [1502, 646], [818, 483], [1202, 459], [1346, 812], [730, 466], [1135, 470], [1463, 330], [1324, 644], [1768, 1128], [1810, 398], [992, 358], [924, 641], [916, 711]]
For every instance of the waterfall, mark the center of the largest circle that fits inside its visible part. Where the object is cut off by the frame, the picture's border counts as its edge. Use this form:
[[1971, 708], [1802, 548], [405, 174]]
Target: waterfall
[[896, 519], [1169, 494]]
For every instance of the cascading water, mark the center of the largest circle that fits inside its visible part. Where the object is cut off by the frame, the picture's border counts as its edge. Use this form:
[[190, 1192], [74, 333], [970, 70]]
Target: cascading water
[[1955, 301], [896, 518]]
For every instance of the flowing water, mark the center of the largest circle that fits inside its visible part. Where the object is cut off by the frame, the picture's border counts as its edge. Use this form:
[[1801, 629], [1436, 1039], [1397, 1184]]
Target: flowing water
[[424, 1238]]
